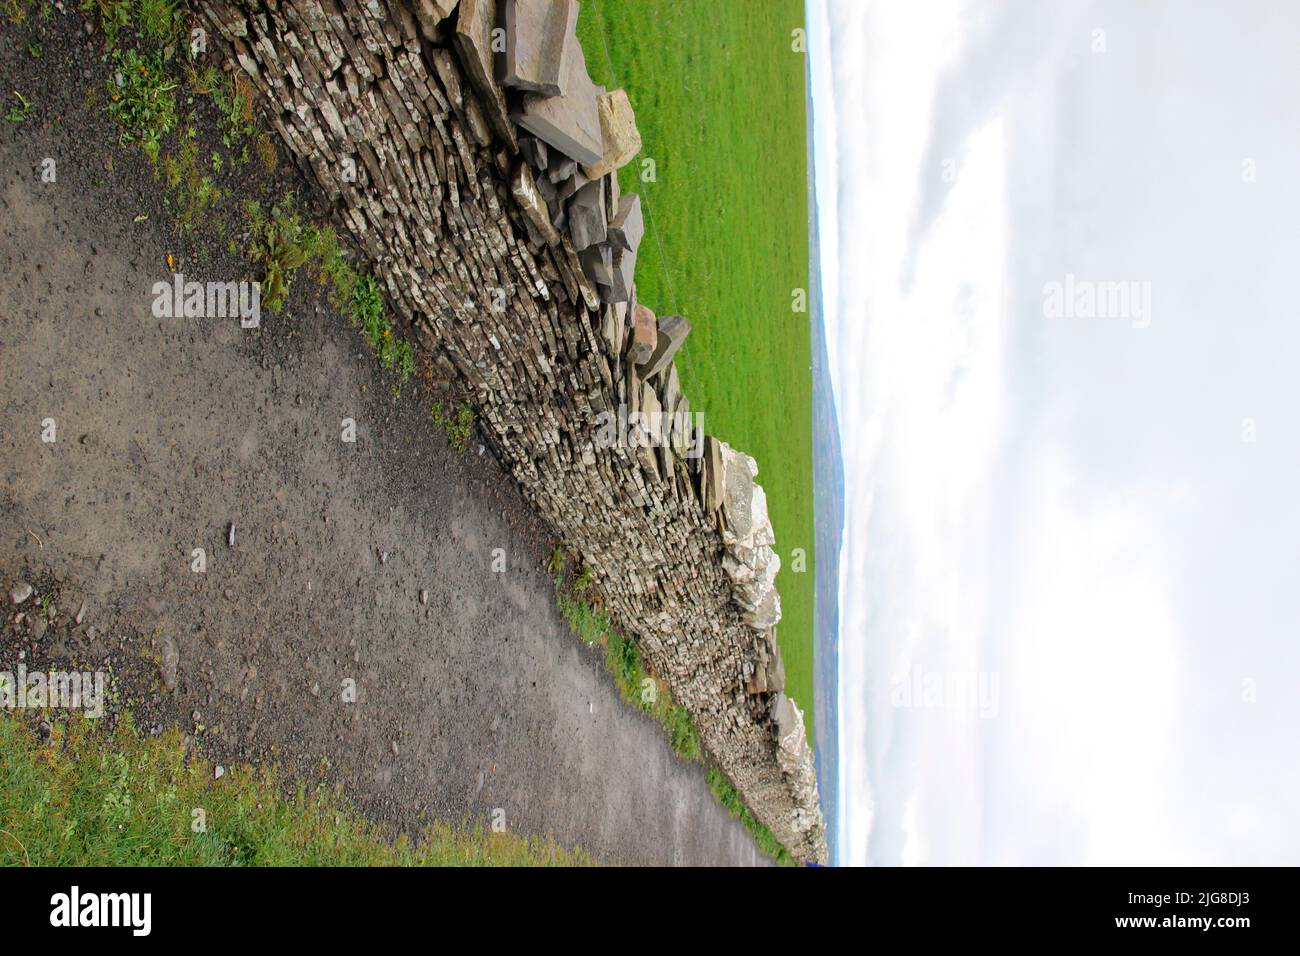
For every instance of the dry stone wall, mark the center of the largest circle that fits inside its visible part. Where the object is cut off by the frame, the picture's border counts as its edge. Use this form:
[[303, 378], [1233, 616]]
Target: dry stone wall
[[466, 149]]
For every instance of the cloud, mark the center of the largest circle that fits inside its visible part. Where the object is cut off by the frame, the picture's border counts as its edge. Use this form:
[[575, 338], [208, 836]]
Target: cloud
[[1098, 514]]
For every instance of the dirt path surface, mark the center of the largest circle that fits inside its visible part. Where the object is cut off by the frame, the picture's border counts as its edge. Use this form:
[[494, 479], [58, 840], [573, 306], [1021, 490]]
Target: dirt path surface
[[167, 431]]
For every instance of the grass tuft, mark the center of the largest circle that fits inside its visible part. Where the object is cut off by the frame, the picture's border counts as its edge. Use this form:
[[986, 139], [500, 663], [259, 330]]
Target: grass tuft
[[459, 425], [15, 11], [281, 245], [19, 111], [193, 189], [162, 21], [232, 97], [114, 17], [395, 353]]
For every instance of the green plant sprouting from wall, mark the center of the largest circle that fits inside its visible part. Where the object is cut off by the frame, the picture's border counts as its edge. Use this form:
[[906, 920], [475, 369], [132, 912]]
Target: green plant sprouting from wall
[[458, 424]]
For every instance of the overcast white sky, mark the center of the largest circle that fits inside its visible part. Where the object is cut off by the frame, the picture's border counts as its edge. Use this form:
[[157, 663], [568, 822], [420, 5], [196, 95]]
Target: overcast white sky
[[1098, 517]]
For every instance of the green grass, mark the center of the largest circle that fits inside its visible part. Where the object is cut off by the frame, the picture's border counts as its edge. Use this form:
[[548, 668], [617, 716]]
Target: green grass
[[142, 99], [100, 798], [719, 100], [161, 21], [14, 11], [192, 191], [395, 353], [232, 97], [282, 244]]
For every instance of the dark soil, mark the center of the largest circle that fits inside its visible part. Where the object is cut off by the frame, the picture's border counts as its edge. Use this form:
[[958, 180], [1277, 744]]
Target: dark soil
[[170, 430]]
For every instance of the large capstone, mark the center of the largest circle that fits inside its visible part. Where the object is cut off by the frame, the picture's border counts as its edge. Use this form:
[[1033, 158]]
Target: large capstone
[[744, 503], [767, 614], [539, 36], [570, 122]]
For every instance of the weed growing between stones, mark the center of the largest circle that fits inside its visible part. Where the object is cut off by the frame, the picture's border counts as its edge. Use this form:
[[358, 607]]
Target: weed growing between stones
[[395, 353], [334, 269], [459, 425]]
